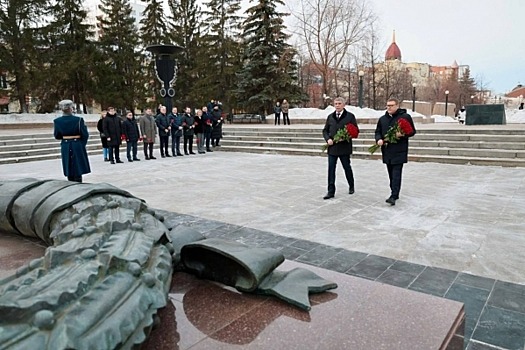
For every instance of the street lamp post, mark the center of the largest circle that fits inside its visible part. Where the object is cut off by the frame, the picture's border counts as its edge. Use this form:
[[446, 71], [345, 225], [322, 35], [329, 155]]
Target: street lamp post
[[446, 101], [165, 70], [361, 74], [413, 97]]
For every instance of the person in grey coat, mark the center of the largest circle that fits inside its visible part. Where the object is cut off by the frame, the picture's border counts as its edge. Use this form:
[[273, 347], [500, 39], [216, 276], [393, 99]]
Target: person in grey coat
[[148, 130], [73, 133]]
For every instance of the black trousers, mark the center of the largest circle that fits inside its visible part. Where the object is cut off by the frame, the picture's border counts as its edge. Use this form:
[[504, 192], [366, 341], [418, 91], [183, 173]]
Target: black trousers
[[188, 139], [277, 119], [286, 119], [148, 146], [114, 153], [345, 162], [394, 174], [164, 145]]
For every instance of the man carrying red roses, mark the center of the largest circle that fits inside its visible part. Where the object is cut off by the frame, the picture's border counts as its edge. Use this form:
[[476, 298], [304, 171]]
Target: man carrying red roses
[[394, 154], [340, 122]]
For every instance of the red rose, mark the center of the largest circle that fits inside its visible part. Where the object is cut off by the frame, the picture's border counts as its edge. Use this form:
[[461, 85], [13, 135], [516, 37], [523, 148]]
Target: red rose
[[405, 127], [352, 130]]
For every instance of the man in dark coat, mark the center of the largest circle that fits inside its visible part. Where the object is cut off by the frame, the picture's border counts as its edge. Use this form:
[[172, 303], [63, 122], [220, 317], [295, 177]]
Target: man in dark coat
[[74, 135], [163, 123], [340, 150], [112, 126], [188, 126], [216, 132], [207, 120], [176, 131], [394, 154], [131, 131]]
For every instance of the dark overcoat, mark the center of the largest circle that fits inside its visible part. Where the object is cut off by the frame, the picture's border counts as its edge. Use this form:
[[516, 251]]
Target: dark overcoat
[[187, 122], [103, 137], [216, 132], [331, 127], [75, 161], [175, 123], [394, 153], [163, 123], [131, 130], [112, 126]]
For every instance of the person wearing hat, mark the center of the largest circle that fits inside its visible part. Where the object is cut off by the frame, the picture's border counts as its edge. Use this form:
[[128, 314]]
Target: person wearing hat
[[74, 135]]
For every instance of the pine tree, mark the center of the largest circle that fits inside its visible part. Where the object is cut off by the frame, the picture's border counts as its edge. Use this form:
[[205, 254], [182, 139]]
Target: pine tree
[[153, 25], [20, 24], [467, 87], [221, 49], [264, 76], [120, 80], [69, 58], [186, 31]]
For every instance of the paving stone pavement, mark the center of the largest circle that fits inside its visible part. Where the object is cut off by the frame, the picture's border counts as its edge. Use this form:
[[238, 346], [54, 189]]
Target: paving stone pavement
[[458, 217], [456, 232]]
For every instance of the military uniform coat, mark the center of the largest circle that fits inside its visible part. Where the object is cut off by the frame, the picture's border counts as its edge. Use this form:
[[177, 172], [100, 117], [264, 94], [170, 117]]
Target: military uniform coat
[[394, 153], [331, 127], [75, 161]]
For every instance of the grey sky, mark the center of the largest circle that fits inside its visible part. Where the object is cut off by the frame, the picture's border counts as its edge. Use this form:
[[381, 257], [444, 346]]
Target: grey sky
[[486, 35]]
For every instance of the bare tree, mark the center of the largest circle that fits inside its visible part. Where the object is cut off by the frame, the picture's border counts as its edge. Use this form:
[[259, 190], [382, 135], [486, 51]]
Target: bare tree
[[329, 28]]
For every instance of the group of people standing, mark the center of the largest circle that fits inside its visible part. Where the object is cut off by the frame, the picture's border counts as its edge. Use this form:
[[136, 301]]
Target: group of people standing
[[281, 108], [394, 155], [204, 126]]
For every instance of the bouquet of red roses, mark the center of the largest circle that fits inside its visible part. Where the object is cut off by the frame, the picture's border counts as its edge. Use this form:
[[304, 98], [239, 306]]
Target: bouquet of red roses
[[402, 127], [350, 131]]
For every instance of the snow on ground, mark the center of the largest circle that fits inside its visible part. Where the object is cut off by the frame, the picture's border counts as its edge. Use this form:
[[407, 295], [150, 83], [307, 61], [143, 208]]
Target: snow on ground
[[512, 115]]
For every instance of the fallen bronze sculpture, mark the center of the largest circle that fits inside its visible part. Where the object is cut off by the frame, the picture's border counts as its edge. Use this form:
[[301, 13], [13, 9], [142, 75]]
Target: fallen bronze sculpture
[[108, 267]]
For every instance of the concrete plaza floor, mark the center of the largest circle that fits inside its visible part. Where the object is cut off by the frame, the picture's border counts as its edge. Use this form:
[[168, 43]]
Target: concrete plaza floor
[[459, 217]]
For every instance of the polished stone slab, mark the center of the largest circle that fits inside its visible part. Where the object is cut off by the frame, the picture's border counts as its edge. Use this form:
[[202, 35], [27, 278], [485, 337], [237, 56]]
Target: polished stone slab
[[16, 251], [359, 314]]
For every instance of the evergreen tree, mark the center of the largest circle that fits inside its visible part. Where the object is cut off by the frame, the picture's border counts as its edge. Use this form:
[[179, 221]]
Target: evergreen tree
[[467, 87], [69, 58], [186, 31], [20, 24], [120, 82], [153, 30], [153, 25], [221, 49], [264, 76]]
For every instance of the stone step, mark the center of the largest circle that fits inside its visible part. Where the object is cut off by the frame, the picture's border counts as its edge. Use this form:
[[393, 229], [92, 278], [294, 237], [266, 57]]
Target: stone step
[[37, 157]]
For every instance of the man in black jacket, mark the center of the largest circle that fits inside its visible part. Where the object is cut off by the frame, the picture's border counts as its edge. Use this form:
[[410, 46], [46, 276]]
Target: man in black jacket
[[131, 131], [163, 123], [338, 150], [112, 126], [394, 154]]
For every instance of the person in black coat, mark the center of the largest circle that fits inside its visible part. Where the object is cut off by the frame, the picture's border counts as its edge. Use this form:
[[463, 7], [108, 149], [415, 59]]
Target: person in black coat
[[394, 154], [207, 120], [103, 138], [340, 150], [131, 132], [74, 135], [176, 131], [216, 132], [112, 126], [188, 126], [163, 123]]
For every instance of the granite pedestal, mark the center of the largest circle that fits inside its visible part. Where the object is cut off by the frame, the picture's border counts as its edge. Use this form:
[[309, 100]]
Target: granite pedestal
[[359, 314]]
